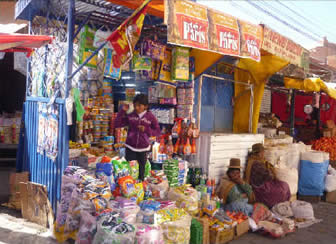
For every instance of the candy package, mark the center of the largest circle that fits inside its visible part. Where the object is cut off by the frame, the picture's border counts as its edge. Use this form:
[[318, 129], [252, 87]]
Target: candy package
[[150, 204], [165, 71]]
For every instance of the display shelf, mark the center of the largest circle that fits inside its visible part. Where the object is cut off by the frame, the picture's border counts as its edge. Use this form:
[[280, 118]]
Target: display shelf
[[8, 146]]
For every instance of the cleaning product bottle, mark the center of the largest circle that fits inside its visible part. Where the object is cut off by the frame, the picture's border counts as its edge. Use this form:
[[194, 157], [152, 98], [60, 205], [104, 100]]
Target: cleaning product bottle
[[187, 148]]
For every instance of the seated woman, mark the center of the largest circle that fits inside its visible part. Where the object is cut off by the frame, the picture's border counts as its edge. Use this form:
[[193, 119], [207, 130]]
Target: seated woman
[[234, 192], [261, 175]]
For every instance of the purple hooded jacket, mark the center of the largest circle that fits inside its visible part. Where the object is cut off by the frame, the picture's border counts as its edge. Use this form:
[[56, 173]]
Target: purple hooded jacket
[[135, 138]]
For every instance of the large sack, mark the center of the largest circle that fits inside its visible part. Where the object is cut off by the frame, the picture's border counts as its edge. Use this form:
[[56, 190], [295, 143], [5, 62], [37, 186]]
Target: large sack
[[291, 176]]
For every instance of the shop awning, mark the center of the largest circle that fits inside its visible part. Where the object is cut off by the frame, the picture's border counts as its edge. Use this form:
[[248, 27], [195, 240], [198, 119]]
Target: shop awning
[[155, 8], [22, 43], [311, 85]]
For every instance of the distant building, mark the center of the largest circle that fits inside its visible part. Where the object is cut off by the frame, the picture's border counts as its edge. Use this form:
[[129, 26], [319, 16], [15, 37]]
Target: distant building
[[326, 53]]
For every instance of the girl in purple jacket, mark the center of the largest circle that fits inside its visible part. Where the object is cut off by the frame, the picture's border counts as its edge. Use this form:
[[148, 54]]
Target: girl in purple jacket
[[142, 125]]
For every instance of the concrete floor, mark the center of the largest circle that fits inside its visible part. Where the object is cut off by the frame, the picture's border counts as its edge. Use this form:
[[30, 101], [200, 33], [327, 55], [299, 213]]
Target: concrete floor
[[321, 233]]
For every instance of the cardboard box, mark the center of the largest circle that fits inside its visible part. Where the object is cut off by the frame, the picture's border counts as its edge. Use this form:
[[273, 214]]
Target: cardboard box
[[14, 186], [221, 237], [331, 197], [35, 204], [242, 228]]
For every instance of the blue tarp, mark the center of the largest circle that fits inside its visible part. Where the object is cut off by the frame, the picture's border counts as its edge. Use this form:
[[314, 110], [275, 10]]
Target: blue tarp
[[312, 178]]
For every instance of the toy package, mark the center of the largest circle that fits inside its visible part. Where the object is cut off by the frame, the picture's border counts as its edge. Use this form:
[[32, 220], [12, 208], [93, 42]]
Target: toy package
[[180, 64]]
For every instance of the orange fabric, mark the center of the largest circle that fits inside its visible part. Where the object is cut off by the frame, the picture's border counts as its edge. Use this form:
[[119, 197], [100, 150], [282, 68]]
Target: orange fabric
[[155, 8]]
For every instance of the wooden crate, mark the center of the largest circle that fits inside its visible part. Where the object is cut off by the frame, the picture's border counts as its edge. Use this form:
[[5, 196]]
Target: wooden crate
[[242, 228], [221, 237]]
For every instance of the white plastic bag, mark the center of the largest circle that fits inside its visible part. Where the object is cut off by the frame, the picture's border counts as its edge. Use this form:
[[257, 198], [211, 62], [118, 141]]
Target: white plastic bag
[[330, 184]]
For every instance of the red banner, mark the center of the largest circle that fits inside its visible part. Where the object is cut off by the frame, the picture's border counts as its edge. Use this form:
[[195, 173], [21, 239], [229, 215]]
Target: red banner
[[124, 39]]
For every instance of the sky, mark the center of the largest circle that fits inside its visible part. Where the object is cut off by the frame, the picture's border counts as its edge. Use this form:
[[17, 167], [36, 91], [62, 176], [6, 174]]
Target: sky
[[305, 22]]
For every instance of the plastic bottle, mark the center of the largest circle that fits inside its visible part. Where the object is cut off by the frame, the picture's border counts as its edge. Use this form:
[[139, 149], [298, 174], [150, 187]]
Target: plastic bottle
[[213, 185], [177, 146], [170, 147], [162, 147], [193, 146], [181, 146], [187, 148], [209, 187]]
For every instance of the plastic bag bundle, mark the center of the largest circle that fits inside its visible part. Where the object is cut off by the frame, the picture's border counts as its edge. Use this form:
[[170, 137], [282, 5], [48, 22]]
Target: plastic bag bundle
[[177, 231], [169, 214], [283, 209], [302, 210], [87, 228], [146, 216], [129, 215], [149, 234], [330, 183], [196, 232], [112, 230], [186, 197]]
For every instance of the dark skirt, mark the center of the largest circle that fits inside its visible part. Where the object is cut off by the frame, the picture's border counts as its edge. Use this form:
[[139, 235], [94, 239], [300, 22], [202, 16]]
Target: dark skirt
[[272, 192]]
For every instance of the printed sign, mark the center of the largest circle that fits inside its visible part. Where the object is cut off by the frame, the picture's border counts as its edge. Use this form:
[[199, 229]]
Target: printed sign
[[223, 33], [251, 40], [283, 47], [194, 25], [187, 24]]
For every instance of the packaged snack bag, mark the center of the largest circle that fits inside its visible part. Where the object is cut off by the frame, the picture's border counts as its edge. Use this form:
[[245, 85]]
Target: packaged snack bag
[[127, 186], [109, 69]]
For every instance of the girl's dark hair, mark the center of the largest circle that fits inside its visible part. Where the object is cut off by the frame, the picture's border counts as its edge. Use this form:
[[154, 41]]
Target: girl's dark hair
[[141, 99], [231, 170]]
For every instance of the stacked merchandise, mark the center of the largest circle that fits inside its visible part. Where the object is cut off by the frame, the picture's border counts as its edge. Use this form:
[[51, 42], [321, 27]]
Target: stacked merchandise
[[185, 98], [171, 170], [10, 128]]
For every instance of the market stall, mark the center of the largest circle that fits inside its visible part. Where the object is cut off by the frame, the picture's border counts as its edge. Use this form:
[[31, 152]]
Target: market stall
[[80, 94]]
